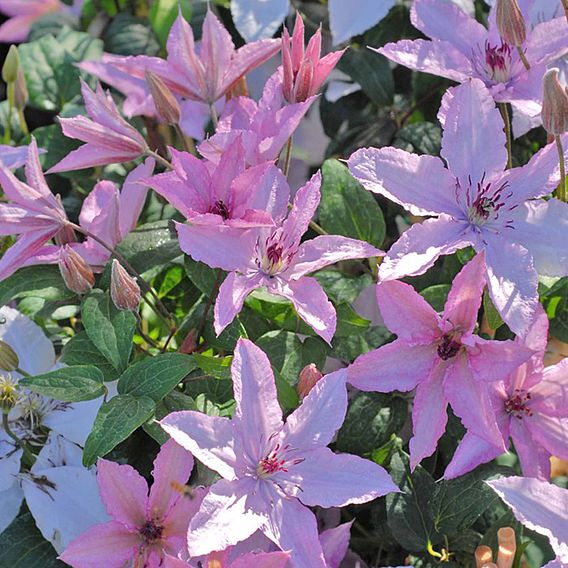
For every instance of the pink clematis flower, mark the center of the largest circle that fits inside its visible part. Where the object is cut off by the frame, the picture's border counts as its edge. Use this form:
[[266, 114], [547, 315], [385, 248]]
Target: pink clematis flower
[[477, 202], [304, 69], [273, 470], [231, 196], [531, 406], [144, 526], [274, 258], [109, 138], [34, 213], [265, 127], [461, 49], [541, 507], [441, 357], [15, 156], [223, 560]]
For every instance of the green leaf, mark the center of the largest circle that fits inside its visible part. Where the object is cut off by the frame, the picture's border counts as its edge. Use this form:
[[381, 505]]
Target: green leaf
[[130, 35], [494, 319], [51, 24], [56, 144], [436, 295], [372, 71], [341, 287], [201, 275], [38, 281], [110, 330], [163, 14], [69, 384], [80, 350], [116, 420], [23, 546], [557, 309], [218, 367], [371, 420], [346, 208], [420, 138], [156, 376]]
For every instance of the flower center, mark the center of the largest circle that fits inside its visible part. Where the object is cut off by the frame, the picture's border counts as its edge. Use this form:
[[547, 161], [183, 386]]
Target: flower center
[[272, 256], [517, 405], [448, 347], [486, 202], [277, 459], [498, 62], [8, 394], [220, 208], [151, 531]]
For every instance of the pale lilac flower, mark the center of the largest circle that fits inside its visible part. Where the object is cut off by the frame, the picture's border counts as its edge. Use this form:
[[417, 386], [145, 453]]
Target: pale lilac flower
[[15, 156], [461, 49], [22, 14], [541, 507], [145, 526], [531, 407], [273, 470], [33, 213], [441, 357], [477, 202], [264, 127], [225, 559], [273, 257], [109, 138], [304, 69]]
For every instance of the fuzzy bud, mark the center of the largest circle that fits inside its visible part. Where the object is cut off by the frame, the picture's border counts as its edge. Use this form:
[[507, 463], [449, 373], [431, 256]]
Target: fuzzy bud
[[8, 358], [510, 22], [554, 104], [21, 95], [166, 104], [307, 380], [189, 344], [11, 65], [124, 290], [77, 274]]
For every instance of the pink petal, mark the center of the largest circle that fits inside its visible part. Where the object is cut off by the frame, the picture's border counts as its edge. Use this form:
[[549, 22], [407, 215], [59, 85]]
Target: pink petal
[[545, 44], [209, 438], [110, 545], [177, 521], [16, 29], [133, 196], [15, 220], [407, 313], [100, 212], [324, 67], [396, 366], [231, 164], [262, 560], [335, 543], [471, 452], [35, 177], [550, 433], [534, 459], [550, 395], [89, 156], [420, 184], [124, 493]]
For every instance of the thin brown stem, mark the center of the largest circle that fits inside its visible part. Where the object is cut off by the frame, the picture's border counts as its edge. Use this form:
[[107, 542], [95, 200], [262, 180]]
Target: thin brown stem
[[507, 123], [209, 304], [214, 115], [187, 143], [20, 443], [561, 190], [288, 157], [565, 6], [523, 57], [159, 159], [169, 339]]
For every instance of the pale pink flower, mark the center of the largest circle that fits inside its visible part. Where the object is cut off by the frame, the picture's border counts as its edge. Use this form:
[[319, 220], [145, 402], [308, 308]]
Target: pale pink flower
[[441, 357], [145, 526], [224, 560], [273, 470], [22, 14], [15, 156]]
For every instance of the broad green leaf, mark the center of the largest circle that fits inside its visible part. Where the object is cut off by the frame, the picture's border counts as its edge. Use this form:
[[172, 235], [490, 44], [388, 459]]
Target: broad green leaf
[[420, 138], [341, 287], [51, 24], [80, 350], [155, 377], [436, 295], [130, 35], [23, 546], [116, 420], [173, 402], [349, 346], [493, 317], [38, 281], [163, 14], [346, 208], [218, 367], [205, 278], [56, 145], [110, 330], [68, 384]]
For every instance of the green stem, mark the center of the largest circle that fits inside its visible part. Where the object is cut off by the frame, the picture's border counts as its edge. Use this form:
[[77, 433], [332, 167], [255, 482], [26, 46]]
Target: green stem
[[23, 123], [506, 121], [22, 372], [28, 455], [562, 189], [288, 157], [209, 304], [8, 129]]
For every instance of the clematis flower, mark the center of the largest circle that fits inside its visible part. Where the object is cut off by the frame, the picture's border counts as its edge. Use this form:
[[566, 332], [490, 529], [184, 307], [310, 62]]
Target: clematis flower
[[223, 560], [34, 213], [264, 127], [274, 258], [145, 527], [441, 357], [461, 49], [273, 470], [304, 69], [109, 138], [531, 408], [476, 202], [541, 507], [230, 196]]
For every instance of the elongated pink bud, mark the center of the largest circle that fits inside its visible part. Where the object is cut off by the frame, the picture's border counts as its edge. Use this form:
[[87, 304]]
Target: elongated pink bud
[[307, 380], [189, 344], [287, 68], [304, 81], [510, 22], [21, 95], [554, 104], [77, 274], [166, 104], [507, 547], [124, 290]]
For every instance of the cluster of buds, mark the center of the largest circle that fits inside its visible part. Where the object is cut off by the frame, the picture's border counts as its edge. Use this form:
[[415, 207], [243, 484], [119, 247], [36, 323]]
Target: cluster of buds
[[505, 554]]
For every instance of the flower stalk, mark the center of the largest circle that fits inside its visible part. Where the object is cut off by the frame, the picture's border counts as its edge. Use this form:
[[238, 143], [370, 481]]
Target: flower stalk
[[507, 124]]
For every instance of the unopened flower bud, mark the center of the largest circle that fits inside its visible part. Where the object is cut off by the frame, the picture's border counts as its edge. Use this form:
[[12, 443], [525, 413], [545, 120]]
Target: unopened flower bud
[[307, 380], [8, 394], [507, 547], [554, 104], [483, 555], [166, 104], [189, 344], [304, 81], [77, 274], [124, 290], [510, 22], [11, 65], [21, 95], [8, 359]]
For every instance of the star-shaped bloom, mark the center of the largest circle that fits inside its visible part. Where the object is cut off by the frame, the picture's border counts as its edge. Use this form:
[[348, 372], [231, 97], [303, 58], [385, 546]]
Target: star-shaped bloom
[[109, 138], [145, 526], [273, 470], [541, 507], [273, 257], [461, 48], [531, 406], [476, 203], [441, 357]]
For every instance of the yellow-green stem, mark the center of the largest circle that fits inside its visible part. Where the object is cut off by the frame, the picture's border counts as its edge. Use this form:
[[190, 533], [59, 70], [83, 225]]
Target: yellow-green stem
[[23, 123], [288, 156], [507, 123], [561, 190], [8, 129], [214, 115], [29, 456], [159, 159]]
